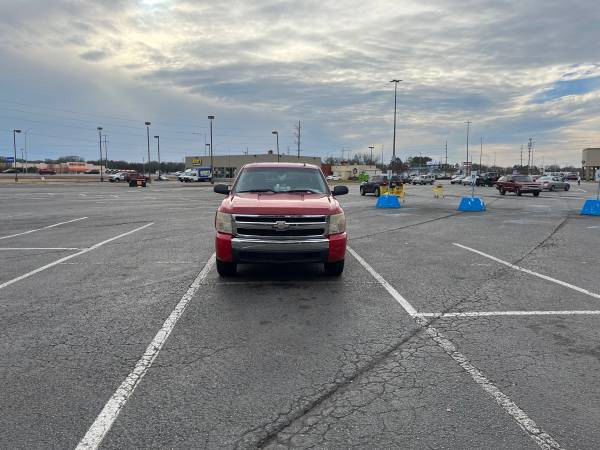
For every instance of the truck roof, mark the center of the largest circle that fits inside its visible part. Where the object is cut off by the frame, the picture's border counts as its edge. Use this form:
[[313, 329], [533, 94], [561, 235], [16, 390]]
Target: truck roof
[[286, 164]]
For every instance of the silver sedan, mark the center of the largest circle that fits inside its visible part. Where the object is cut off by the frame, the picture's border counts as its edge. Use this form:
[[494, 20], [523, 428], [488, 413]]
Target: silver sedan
[[553, 184]]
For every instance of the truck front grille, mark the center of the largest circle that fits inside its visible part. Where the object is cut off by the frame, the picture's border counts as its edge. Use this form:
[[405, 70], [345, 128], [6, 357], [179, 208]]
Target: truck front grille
[[280, 226]]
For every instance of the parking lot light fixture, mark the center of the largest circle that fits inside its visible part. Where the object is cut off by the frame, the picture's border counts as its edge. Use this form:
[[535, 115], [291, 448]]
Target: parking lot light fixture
[[394, 141], [15, 154], [212, 168], [276, 133], [100, 149]]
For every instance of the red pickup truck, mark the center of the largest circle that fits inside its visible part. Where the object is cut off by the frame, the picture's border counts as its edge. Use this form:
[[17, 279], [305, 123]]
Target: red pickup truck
[[518, 184], [280, 212]]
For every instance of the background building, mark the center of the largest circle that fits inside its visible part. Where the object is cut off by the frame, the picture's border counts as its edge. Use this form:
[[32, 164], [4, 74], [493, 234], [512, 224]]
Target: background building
[[346, 171], [590, 160], [226, 166]]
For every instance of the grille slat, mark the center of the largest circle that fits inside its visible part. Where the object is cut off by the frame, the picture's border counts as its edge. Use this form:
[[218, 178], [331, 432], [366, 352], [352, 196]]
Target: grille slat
[[280, 226]]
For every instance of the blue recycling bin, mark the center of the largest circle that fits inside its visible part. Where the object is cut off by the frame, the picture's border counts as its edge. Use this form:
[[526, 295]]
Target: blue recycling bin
[[388, 201], [591, 207]]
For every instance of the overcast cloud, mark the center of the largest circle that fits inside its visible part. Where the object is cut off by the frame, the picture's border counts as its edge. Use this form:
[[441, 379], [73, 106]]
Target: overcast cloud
[[515, 69]]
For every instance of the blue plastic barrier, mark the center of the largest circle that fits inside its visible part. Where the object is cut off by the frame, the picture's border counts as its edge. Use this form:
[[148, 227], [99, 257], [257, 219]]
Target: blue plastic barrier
[[388, 201], [471, 204], [591, 208]]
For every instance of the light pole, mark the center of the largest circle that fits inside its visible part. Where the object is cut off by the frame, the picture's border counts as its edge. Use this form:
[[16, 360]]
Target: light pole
[[277, 136], [15, 156], [26, 163], [100, 149], [206, 149], [371, 147], [212, 168], [158, 148], [394, 141], [468, 122], [480, 154], [148, 141]]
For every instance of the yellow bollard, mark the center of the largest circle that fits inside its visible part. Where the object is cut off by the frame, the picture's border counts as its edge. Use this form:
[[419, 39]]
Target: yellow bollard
[[438, 191]]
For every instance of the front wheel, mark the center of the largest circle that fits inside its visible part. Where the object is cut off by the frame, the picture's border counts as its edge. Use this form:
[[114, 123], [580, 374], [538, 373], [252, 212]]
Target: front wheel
[[536, 194], [362, 191], [502, 192], [334, 269], [377, 192], [518, 192], [552, 188], [567, 187], [226, 269]]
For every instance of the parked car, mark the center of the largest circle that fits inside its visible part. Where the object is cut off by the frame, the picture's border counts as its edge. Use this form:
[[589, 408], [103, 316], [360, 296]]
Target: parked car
[[553, 184], [518, 184], [373, 186], [12, 170], [93, 172], [487, 179], [333, 178], [571, 177], [301, 221], [136, 179], [423, 179], [466, 181], [118, 177], [46, 172], [456, 179]]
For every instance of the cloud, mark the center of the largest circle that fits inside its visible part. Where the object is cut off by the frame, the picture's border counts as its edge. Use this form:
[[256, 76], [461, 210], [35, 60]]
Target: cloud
[[514, 68]]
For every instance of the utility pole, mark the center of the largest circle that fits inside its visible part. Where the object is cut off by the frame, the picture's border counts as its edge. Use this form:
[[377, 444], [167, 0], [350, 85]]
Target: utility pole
[[529, 150], [395, 103], [521, 155], [298, 136], [468, 122], [480, 154], [212, 167], [494, 161], [148, 139], [158, 148], [100, 149], [446, 164], [371, 147], [276, 133], [105, 142]]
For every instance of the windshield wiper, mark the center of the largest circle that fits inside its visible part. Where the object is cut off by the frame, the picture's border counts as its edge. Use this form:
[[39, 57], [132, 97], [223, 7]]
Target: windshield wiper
[[255, 190], [311, 191]]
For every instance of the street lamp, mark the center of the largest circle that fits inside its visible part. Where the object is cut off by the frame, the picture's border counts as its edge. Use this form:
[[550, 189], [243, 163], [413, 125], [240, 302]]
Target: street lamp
[[100, 149], [394, 142], [468, 122], [212, 167], [158, 145], [15, 150], [148, 142], [206, 149], [277, 136], [371, 147]]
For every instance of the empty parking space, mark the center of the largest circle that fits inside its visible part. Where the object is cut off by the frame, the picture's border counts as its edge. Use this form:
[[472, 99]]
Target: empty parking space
[[281, 356]]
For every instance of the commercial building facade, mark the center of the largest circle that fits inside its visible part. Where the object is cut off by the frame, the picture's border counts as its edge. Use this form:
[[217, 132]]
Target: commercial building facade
[[227, 166], [347, 171], [590, 161]]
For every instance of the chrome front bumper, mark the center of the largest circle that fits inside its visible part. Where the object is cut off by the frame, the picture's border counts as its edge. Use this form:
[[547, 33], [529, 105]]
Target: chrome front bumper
[[247, 250]]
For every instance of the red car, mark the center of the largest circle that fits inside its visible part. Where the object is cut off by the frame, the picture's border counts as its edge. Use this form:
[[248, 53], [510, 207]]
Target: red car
[[519, 184], [47, 172], [277, 213]]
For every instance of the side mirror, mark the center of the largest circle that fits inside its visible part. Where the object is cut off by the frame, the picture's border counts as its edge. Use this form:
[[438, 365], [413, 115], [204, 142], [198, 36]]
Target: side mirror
[[221, 189], [340, 190]]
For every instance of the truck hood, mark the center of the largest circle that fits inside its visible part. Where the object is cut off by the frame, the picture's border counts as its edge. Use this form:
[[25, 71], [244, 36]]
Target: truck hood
[[269, 203]]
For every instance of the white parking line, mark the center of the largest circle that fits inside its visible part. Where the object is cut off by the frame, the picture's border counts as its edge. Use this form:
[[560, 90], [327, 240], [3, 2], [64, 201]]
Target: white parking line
[[530, 272], [117, 401], [511, 313], [66, 258], [527, 424], [43, 228], [39, 248]]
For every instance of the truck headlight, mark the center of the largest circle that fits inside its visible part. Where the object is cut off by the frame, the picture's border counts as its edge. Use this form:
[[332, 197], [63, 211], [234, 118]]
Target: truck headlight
[[223, 223], [337, 223]]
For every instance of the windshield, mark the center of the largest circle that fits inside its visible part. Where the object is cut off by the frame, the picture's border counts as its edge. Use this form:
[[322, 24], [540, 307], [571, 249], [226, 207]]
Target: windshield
[[280, 179]]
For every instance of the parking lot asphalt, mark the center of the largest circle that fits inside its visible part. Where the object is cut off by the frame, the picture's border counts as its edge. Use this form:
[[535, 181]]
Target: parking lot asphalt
[[446, 330]]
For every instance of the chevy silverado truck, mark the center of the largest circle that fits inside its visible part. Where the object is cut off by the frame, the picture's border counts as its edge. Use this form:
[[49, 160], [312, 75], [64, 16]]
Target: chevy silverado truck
[[278, 213]]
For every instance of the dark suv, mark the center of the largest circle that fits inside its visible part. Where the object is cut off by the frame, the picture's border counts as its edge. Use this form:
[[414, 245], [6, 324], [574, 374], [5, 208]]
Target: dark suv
[[375, 182], [487, 179]]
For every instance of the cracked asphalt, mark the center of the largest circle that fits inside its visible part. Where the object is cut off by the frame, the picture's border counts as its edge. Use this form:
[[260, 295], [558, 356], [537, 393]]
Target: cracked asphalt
[[281, 356]]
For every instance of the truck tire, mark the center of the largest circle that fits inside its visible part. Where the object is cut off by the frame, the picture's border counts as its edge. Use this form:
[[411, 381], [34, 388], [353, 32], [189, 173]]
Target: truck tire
[[226, 269], [518, 191], [377, 192], [334, 269], [536, 194], [362, 191], [502, 192]]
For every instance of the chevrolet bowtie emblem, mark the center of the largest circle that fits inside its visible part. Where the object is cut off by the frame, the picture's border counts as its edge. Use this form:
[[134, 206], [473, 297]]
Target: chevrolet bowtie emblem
[[280, 225]]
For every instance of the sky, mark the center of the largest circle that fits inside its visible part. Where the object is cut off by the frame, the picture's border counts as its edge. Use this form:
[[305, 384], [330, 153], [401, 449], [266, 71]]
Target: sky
[[515, 69]]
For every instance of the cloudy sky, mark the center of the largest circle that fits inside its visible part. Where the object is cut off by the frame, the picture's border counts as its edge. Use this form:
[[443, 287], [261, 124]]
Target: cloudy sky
[[516, 69]]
